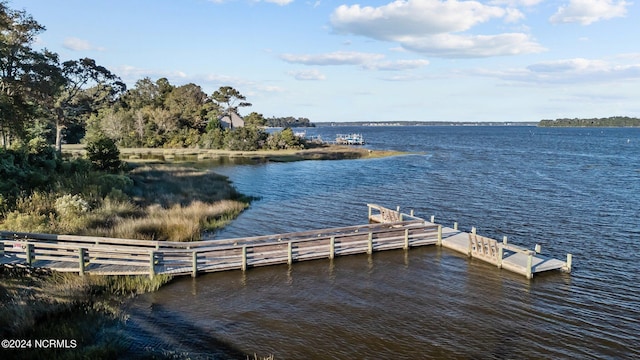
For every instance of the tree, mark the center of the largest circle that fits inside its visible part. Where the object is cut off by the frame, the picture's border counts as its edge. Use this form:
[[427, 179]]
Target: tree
[[255, 119], [104, 154], [86, 86], [230, 99], [27, 77], [190, 105]]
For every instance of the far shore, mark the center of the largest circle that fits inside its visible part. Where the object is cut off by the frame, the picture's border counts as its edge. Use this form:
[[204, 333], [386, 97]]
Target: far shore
[[325, 152]]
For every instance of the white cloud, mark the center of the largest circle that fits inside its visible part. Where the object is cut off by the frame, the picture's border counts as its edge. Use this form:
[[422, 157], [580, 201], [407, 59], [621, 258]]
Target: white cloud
[[587, 12], [76, 44], [459, 46], [570, 71], [334, 58], [429, 26], [516, 3], [307, 75], [369, 61], [397, 65]]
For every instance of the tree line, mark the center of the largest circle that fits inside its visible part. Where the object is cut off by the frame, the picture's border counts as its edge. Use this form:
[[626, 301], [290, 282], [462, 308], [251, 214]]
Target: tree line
[[614, 121], [44, 100], [289, 121]]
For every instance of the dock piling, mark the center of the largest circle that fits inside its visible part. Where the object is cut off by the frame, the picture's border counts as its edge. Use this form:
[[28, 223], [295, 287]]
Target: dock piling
[[332, 247], [530, 266], [152, 264], [569, 261], [29, 253], [81, 255], [194, 264], [244, 258]]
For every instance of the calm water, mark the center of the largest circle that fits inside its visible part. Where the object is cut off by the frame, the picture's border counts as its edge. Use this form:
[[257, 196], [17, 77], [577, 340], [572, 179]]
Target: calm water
[[570, 190]]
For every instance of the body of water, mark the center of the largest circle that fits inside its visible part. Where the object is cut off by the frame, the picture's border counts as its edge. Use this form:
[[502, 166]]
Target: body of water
[[570, 190]]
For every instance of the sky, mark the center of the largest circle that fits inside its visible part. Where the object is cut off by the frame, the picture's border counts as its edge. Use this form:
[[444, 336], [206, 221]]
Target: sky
[[346, 60]]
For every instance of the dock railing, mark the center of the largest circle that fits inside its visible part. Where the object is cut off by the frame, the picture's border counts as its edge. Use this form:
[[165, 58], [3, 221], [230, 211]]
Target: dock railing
[[113, 256]]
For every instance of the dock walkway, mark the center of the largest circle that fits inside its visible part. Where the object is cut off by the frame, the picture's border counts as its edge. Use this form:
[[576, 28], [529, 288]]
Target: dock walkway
[[388, 229]]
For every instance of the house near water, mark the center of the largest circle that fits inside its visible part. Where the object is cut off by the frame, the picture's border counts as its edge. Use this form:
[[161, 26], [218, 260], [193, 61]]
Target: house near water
[[230, 122]]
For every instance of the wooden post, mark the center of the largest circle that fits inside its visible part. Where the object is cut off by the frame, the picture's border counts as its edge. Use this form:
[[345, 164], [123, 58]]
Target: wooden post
[[369, 212], [530, 266], [332, 247], [569, 262], [406, 239], [455, 225], [152, 264], [370, 248], [290, 253], [194, 264], [81, 254], [538, 248], [504, 240], [244, 258], [433, 218], [439, 235], [470, 250], [500, 254], [411, 212], [29, 253], [474, 230]]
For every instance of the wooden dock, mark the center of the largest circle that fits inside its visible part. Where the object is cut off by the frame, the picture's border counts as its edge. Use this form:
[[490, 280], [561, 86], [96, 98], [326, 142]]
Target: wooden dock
[[388, 229]]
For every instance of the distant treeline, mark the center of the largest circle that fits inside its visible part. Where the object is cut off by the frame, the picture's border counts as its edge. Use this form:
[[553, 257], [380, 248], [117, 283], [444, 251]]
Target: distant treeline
[[615, 121], [289, 122]]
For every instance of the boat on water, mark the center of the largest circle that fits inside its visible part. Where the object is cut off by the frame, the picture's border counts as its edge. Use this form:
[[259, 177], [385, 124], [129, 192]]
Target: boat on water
[[350, 139]]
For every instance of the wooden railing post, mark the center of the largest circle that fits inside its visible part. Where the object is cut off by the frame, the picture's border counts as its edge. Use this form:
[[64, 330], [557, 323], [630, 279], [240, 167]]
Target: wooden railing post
[[538, 248], [439, 235], [290, 253], [244, 258], [29, 253], [369, 205], [500, 254], [370, 247], [194, 264], [504, 240], [152, 264], [406, 239], [569, 262], [455, 225], [332, 247], [81, 255], [433, 219], [530, 266], [411, 212]]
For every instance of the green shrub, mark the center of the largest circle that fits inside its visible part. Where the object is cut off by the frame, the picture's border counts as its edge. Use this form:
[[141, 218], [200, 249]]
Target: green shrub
[[104, 154]]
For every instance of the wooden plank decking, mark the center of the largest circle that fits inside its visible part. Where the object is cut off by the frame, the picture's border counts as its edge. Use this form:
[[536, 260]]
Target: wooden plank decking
[[388, 229]]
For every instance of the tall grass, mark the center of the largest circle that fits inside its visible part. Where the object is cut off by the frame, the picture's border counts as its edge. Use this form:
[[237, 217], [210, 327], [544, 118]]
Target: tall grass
[[177, 223]]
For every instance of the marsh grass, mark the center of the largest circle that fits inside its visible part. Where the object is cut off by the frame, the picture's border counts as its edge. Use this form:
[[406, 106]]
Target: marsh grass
[[152, 202]]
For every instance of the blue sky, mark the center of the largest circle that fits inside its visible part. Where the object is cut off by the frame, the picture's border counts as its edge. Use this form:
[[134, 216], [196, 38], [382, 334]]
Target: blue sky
[[423, 60]]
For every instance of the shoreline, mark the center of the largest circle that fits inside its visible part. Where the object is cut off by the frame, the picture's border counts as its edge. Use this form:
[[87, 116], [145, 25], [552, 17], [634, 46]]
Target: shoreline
[[105, 299], [172, 155]]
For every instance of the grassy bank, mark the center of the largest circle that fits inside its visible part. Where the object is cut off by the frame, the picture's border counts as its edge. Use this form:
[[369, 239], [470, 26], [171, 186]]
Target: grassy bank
[[151, 201], [319, 152]]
